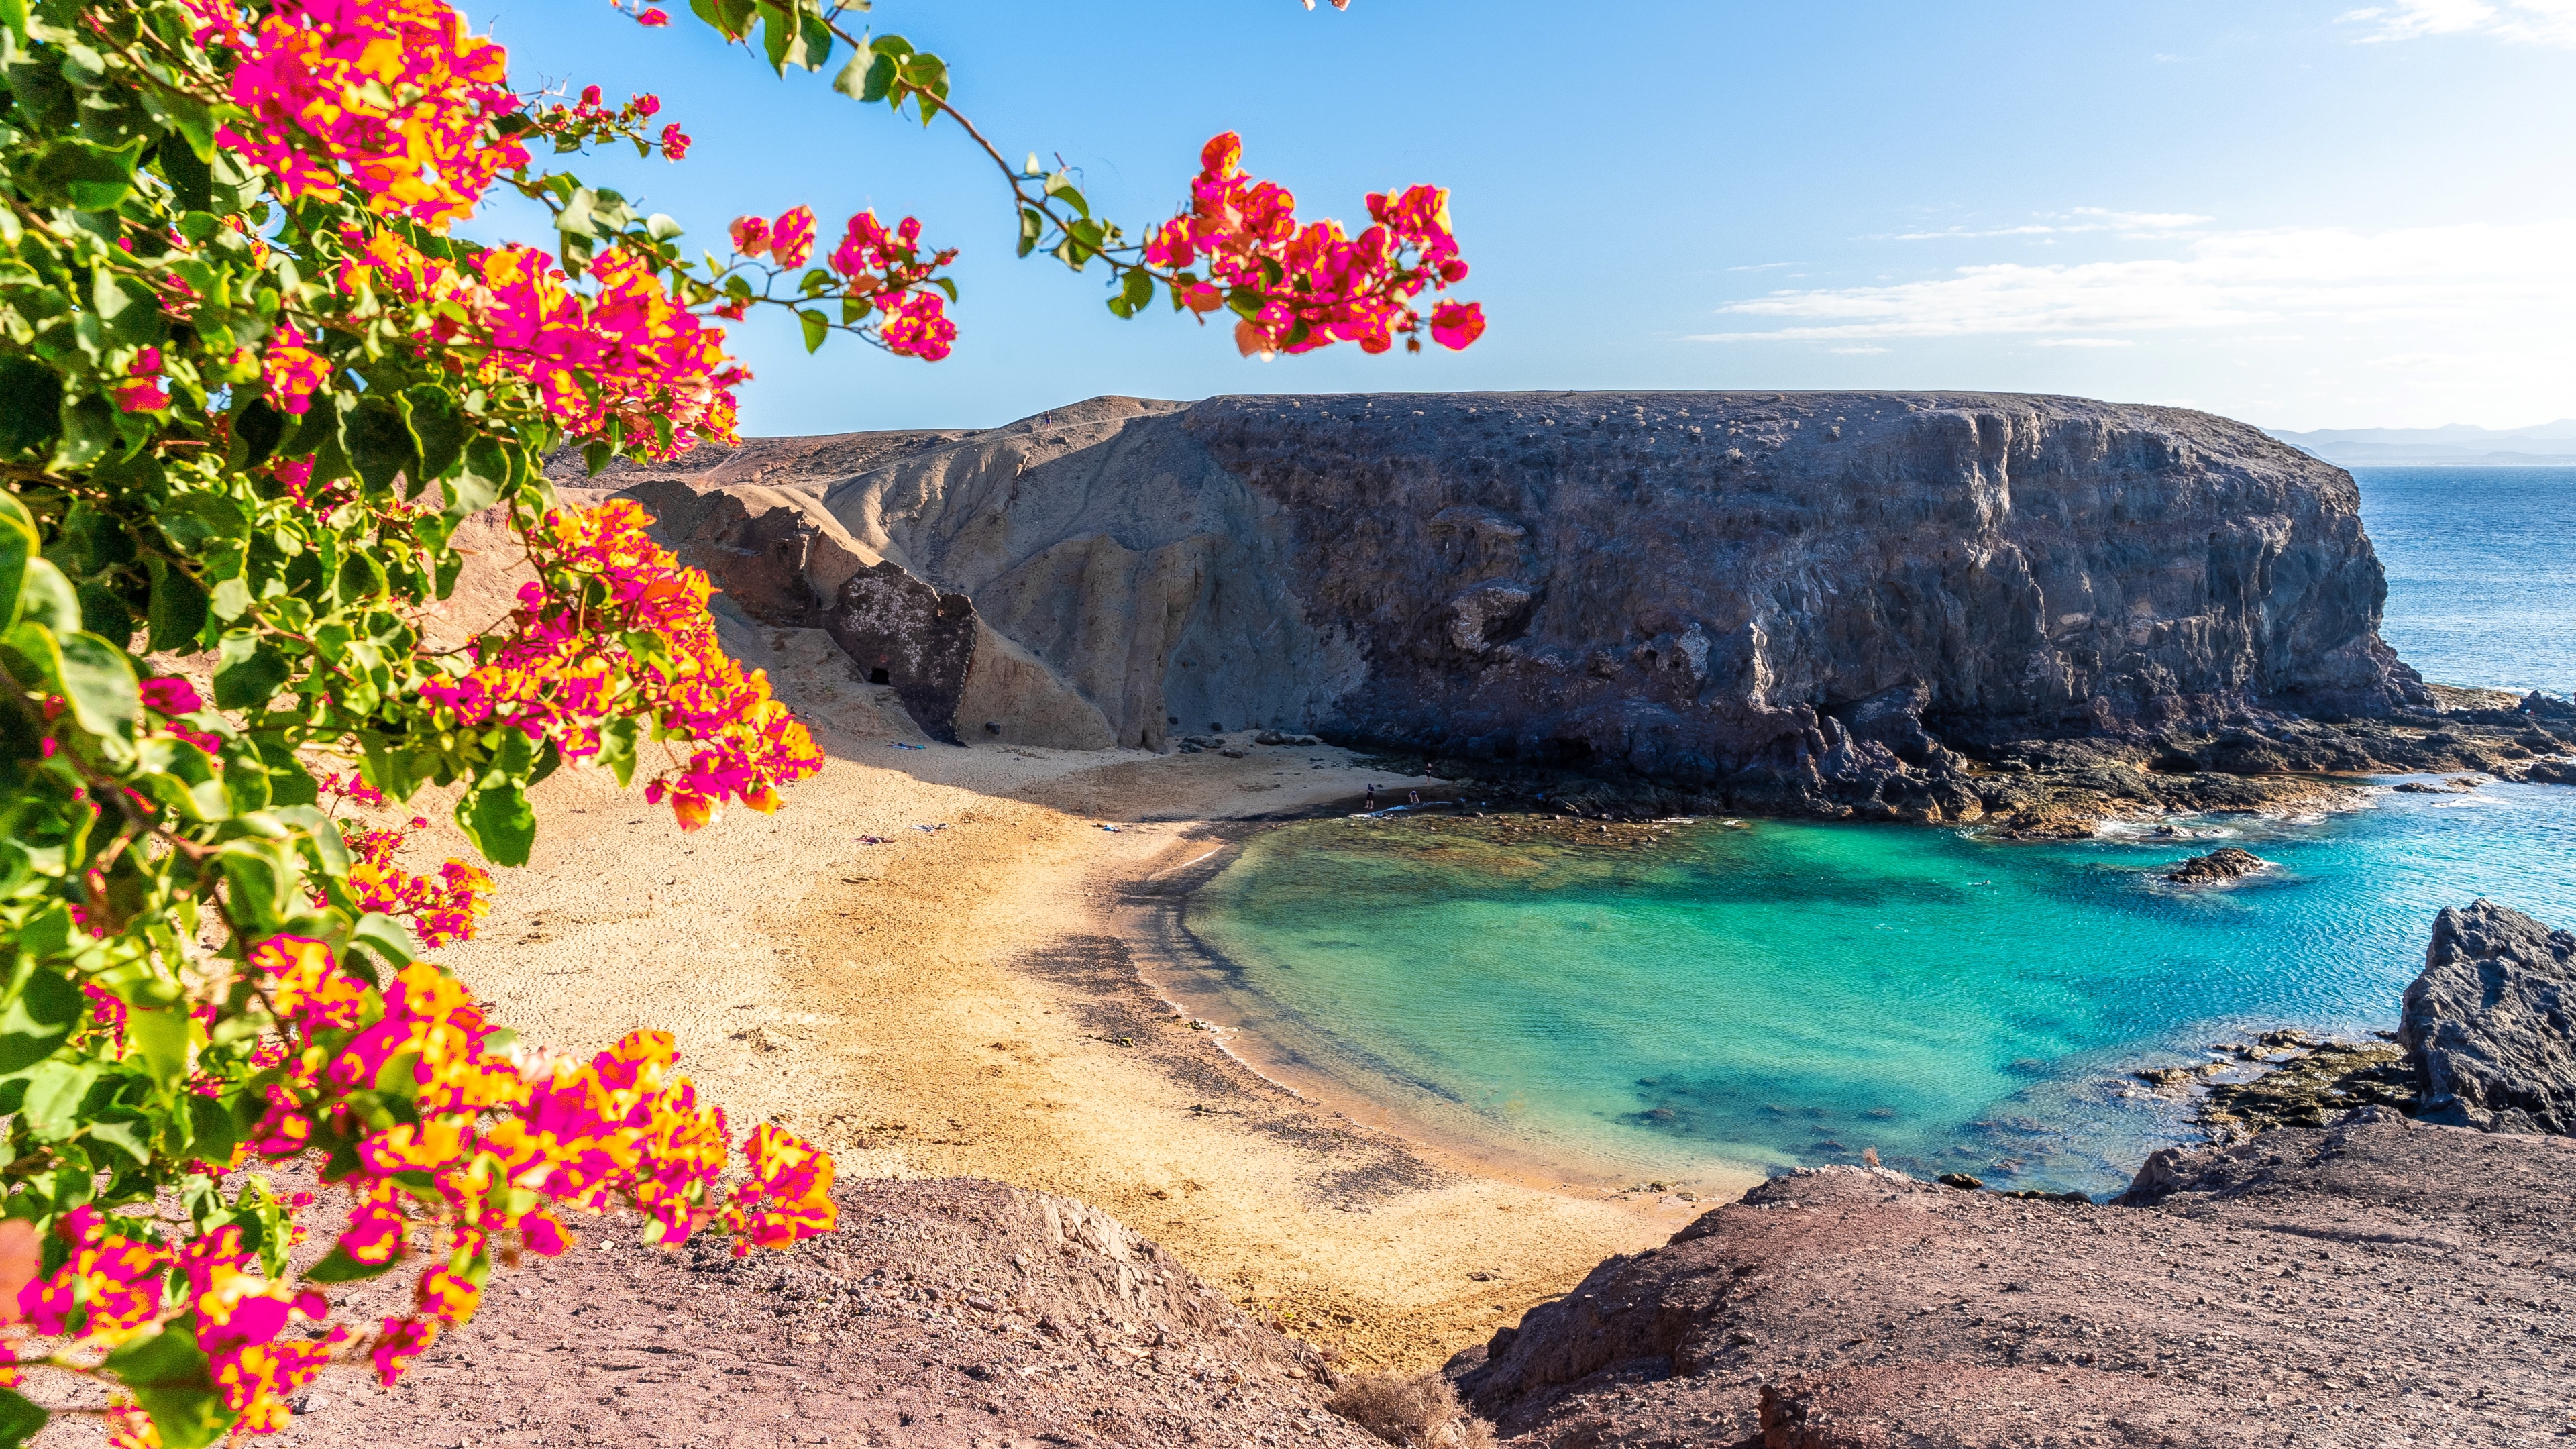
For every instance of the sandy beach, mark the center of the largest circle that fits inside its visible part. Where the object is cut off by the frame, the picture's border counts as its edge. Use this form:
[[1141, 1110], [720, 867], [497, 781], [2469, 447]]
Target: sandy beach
[[957, 998]]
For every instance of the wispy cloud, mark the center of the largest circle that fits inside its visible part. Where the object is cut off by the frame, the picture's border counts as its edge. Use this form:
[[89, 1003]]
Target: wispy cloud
[[2080, 221], [2084, 342], [2507, 276], [2529, 22]]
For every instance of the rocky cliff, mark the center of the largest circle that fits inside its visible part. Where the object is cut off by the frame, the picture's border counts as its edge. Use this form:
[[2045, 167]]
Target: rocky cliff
[[1716, 590]]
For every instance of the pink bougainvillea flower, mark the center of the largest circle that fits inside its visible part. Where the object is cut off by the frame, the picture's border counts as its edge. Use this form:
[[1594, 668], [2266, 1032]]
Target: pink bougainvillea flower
[[391, 97], [142, 392], [1456, 324], [294, 372], [1318, 284], [675, 142], [656, 17], [791, 237], [750, 235]]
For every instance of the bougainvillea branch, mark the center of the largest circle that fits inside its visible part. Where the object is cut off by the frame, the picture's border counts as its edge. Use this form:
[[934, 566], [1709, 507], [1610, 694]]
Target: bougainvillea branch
[[252, 382]]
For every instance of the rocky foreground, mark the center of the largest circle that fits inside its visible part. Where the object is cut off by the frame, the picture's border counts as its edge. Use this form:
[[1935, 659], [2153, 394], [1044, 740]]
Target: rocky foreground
[[2374, 1283]]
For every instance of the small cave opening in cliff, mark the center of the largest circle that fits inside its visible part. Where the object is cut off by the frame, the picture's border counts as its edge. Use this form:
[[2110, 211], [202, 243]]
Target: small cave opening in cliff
[[879, 676]]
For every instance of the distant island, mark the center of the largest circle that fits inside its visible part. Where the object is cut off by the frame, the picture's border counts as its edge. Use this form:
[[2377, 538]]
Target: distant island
[[2459, 445]]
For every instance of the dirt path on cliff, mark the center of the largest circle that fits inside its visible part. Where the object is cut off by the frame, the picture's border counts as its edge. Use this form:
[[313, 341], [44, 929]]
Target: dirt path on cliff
[[954, 1000]]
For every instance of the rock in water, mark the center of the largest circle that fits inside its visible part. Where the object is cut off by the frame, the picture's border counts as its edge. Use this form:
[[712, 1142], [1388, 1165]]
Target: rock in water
[[2491, 1024], [2226, 863]]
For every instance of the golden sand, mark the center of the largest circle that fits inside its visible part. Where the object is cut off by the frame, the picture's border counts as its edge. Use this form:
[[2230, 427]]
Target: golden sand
[[959, 1001]]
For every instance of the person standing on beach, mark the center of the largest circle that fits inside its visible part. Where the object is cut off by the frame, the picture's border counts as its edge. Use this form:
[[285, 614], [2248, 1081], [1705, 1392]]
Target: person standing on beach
[[1413, 797], [1372, 799]]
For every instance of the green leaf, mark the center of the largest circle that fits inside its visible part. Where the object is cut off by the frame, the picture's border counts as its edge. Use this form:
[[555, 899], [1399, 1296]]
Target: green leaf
[[249, 671], [1061, 187], [55, 1088], [817, 327], [257, 429], [194, 519], [781, 36], [853, 79], [499, 820], [98, 680], [1032, 226], [442, 430], [92, 178], [128, 308], [882, 68], [617, 740], [18, 546], [338, 1267], [167, 1373], [381, 443], [480, 482], [178, 608], [386, 937], [37, 1020], [162, 1037], [126, 1135], [20, 1418], [48, 598], [88, 431], [31, 405], [265, 881], [212, 1132], [1138, 288], [13, 16]]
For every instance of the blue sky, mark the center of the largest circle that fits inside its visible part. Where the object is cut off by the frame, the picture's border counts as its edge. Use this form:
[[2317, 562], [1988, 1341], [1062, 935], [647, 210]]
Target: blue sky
[[2302, 214]]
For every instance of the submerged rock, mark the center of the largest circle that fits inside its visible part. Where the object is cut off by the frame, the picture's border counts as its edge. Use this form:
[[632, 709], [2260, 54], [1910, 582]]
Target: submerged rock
[[2491, 1023], [2223, 864]]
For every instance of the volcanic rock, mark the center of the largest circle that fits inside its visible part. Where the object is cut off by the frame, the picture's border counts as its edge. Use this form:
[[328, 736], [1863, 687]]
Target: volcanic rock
[[2355, 1285], [2491, 1023], [1799, 597], [2226, 863], [945, 1314]]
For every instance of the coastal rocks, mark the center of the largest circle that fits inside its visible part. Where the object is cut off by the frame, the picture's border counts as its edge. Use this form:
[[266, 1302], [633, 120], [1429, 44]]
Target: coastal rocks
[[2227, 863], [1842, 604], [944, 1314], [2491, 1023], [2363, 1284]]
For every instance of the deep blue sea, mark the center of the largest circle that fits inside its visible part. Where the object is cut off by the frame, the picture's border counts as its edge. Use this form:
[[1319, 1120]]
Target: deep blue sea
[[1772, 993]]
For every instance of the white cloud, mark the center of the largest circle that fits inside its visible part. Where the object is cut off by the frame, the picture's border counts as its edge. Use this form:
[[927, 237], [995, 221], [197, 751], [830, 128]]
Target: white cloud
[[2216, 280], [2529, 22], [2084, 342], [1861, 351], [2081, 221]]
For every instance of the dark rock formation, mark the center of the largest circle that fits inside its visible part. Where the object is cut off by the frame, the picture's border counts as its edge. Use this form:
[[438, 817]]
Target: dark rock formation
[[2226, 863], [2357, 1285], [2491, 1024], [905, 633], [1924, 605], [944, 1315]]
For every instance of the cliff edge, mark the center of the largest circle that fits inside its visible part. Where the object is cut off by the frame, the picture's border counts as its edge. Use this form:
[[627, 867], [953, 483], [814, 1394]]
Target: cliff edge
[[1788, 598]]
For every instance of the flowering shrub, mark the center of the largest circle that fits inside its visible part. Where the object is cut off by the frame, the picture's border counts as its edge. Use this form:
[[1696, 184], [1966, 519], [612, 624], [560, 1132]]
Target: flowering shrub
[[250, 386]]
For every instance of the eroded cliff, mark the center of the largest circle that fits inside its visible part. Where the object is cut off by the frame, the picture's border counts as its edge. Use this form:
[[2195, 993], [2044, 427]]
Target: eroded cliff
[[1803, 594]]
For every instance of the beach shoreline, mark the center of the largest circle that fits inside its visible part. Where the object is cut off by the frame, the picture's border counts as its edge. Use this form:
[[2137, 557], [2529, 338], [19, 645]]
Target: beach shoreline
[[919, 964]]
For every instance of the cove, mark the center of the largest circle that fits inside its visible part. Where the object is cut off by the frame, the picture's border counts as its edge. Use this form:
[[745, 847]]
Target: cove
[[1767, 993]]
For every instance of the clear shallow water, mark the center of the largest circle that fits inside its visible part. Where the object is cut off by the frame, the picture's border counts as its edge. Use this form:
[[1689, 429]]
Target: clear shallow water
[[2481, 578], [1794, 993]]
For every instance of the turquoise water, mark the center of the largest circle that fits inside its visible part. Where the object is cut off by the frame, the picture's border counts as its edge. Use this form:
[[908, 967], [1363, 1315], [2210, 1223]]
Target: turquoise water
[[1788, 993]]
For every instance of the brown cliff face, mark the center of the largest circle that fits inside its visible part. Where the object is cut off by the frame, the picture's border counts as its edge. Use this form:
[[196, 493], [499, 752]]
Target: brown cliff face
[[1726, 592]]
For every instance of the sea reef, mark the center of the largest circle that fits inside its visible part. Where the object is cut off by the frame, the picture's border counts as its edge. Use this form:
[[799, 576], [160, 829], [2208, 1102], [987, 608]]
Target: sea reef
[[1932, 606]]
